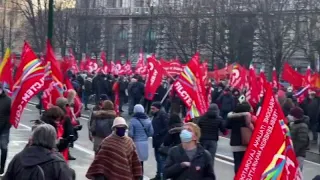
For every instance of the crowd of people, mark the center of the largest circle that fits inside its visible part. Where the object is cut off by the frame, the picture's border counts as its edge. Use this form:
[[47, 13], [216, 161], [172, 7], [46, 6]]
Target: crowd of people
[[182, 150]]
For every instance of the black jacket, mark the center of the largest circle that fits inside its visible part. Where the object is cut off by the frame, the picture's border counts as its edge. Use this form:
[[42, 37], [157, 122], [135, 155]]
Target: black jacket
[[172, 138], [300, 136], [160, 128], [52, 163], [202, 160], [235, 122], [227, 102], [5, 108], [210, 124]]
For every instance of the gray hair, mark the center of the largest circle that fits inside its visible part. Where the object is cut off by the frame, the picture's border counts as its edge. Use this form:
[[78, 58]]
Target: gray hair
[[44, 135]]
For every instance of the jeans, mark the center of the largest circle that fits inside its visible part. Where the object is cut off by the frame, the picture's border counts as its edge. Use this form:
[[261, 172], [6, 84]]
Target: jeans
[[300, 161], [210, 146], [237, 156], [160, 162], [314, 129]]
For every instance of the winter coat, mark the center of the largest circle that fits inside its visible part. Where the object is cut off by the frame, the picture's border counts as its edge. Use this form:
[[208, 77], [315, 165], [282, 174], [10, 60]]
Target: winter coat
[[235, 122], [210, 124], [52, 164], [300, 136], [311, 109], [136, 131], [136, 90], [140, 129], [88, 86], [172, 138], [201, 165], [101, 126], [160, 128], [227, 102], [5, 109], [161, 91]]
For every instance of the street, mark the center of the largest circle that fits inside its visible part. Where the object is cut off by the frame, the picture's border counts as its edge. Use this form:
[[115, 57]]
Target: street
[[84, 154]]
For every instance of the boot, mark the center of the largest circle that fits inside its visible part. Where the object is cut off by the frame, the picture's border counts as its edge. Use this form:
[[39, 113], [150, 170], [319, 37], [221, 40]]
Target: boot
[[71, 158], [4, 153]]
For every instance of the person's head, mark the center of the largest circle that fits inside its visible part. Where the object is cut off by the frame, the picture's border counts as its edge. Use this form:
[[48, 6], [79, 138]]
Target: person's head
[[312, 94], [71, 95], [62, 102], [190, 134], [107, 105], [102, 98], [297, 113], [54, 113], [243, 107], [45, 136], [155, 107], [288, 103], [213, 110], [119, 126], [174, 119], [138, 108]]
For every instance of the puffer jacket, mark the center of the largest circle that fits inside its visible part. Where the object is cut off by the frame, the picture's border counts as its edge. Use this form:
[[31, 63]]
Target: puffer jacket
[[201, 165], [300, 136]]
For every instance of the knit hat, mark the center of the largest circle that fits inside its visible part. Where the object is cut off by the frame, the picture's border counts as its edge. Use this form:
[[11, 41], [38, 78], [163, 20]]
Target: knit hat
[[119, 121], [103, 97], [138, 108], [157, 105], [317, 177], [296, 112], [108, 105]]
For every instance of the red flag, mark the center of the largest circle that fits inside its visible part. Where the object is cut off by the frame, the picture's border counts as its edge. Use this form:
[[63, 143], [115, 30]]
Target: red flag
[[154, 79], [126, 68], [53, 84], [30, 79], [291, 76], [262, 82], [173, 67], [238, 77], [141, 68], [275, 83], [6, 68], [253, 91], [307, 77], [270, 154], [116, 89], [73, 62]]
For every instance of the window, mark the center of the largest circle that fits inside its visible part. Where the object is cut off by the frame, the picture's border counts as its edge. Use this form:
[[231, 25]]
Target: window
[[123, 34]]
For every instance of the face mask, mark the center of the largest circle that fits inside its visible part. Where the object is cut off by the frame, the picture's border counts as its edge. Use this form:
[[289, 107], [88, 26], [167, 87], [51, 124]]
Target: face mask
[[185, 136], [120, 131]]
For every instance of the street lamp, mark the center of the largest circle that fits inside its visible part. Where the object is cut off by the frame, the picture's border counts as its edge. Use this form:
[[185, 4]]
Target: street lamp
[[50, 21]]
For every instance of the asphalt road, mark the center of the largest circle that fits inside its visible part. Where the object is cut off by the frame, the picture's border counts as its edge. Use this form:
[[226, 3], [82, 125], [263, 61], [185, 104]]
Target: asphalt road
[[84, 154]]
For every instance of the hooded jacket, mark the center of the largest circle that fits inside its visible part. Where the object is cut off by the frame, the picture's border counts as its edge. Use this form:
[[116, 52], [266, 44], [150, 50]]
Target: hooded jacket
[[5, 108], [172, 138], [53, 165], [210, 124], [102, 121]]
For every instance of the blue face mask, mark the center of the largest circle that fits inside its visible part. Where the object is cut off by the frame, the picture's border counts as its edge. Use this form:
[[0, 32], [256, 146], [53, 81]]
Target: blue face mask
[[185, 136]]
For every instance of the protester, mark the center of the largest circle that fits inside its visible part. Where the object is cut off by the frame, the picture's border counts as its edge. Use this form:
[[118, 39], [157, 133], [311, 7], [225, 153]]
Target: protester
[[227, 102], [117, 157], [87, 91], [240, 123], [172, 138], [210, 124], [55, 117], [310, 107], [189, 160], [287, 105], [97, 107], [136, 92], [140, 130], [68, 130], [160, 127], [5, 126], [101, 123], [39, 161], [299, 134]]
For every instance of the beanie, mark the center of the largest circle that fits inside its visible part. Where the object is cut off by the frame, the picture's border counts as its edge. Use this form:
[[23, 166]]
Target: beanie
[[138, 108], [296, 112], [157, 104]]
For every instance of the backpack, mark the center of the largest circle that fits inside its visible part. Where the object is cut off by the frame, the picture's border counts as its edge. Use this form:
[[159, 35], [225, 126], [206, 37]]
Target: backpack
[[103, 127]]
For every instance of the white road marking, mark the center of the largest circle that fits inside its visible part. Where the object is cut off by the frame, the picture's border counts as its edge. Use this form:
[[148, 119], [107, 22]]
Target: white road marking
[[223, 161], [27, 109]]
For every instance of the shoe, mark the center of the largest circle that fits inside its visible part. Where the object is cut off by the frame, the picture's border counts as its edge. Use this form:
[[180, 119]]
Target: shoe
[[156, 178], [71, 158]]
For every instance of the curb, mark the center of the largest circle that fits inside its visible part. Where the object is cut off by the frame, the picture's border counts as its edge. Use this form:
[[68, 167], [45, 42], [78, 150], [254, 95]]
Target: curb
[[225, 158]]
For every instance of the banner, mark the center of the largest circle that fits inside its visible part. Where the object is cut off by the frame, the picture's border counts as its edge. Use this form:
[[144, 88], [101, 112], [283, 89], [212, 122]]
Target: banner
[[154, 78], [173, 67], [30, 80], [270, 154], [291, 76]]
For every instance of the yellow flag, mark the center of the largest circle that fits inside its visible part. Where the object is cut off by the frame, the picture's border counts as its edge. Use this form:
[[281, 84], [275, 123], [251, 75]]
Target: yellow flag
[[5, 60]]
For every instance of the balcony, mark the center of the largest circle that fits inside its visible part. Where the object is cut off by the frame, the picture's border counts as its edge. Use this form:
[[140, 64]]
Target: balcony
[[111, 12]]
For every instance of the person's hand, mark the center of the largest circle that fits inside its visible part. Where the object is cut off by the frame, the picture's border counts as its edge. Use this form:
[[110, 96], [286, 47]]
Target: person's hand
[[185, 164]]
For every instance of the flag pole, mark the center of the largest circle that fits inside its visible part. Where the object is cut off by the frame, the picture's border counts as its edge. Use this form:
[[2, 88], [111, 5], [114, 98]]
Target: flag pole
[[167, 93], [50, 21]]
